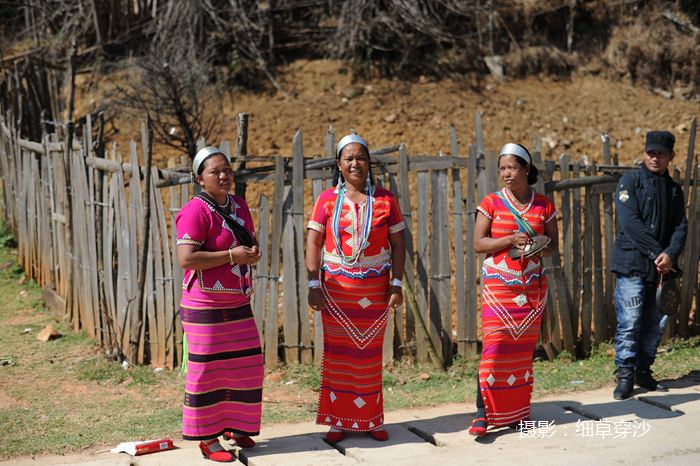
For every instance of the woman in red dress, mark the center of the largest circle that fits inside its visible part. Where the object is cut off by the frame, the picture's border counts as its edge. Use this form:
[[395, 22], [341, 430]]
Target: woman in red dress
[[513, 291], [355, 240]]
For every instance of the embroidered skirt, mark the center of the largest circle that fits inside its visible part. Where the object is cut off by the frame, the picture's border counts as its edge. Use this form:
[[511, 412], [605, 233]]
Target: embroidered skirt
[[354, 321], [223, 386], [511, 316]]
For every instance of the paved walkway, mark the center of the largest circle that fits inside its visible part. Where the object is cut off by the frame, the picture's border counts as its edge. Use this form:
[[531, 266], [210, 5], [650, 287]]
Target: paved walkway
[[575, 429]]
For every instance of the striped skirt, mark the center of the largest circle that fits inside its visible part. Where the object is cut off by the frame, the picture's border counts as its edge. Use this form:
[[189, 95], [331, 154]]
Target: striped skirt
[[223, 386], [354, 321], [511, 315]]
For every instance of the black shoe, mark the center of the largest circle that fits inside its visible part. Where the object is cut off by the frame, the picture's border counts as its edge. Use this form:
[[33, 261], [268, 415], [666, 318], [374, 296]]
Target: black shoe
[[644, 379], [625, 383]]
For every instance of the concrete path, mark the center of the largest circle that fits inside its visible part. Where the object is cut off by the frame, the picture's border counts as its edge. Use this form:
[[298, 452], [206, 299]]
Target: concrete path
[[575, 429]]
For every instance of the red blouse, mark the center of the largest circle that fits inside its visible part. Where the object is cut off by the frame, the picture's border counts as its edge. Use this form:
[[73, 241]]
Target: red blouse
[[376, 258]]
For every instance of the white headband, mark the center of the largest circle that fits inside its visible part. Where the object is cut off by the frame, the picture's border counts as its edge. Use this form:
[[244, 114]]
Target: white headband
[[203, 154], [516, 150], [349, 139]]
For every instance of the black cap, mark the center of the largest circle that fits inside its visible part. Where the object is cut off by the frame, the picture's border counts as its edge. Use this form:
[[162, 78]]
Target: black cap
[[661, 141]]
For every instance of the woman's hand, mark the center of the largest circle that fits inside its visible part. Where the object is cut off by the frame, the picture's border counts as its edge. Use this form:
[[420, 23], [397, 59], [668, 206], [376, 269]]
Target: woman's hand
[[245, 255], [395, 296], [315, 299], [519, 239]]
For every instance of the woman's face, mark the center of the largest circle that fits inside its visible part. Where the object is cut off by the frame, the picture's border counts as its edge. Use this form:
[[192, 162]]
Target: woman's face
[[512, 173], [354, 164], [217, 176]]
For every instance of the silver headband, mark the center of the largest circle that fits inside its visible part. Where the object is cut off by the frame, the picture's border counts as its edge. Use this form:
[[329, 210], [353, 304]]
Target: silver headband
[[203, 154], [349, 139], [516, 150]]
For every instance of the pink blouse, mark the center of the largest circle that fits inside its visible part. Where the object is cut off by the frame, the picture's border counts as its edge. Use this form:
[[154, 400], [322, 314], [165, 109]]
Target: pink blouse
[[225, 286]]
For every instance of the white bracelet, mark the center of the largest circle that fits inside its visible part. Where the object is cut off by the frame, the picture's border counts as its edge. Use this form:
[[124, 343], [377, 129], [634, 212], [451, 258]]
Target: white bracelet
[[314, 283], [396, 282]]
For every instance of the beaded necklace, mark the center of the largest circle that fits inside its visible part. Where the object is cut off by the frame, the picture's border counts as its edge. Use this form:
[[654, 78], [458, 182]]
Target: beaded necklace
[[515, 203], [361, 228]]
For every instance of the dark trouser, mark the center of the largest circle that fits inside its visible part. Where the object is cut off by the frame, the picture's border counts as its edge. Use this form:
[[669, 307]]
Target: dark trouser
[[639, 323]]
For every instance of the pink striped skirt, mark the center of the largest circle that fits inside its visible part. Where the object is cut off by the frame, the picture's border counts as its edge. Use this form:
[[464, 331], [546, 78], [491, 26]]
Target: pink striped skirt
[[223, 386]]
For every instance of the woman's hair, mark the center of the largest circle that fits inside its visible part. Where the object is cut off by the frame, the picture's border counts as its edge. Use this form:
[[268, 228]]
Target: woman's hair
[[533, 172], [200, 169], [339, 176]]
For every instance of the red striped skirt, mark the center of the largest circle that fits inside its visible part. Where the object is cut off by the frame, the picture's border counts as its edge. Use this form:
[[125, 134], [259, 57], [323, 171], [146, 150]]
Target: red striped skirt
[[511, 316], [354, 321], [223, 386]]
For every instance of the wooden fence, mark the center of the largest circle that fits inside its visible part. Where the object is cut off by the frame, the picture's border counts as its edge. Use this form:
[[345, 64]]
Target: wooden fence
[[95, 230]]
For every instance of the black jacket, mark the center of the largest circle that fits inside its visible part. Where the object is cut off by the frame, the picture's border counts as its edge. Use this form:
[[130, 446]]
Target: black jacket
[[650, 220]]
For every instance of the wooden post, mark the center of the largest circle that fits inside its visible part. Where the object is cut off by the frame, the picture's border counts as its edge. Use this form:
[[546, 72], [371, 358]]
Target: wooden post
[[600, 317], [440, 301], [567, 227], [67, 180], [422, 266], [458, 225], [407, 213], [299, 236], [607, 305], [291, 302], [587, 303], [272, 313], [470, 323], [690, 257], [576, 263], [137, 323], [241, 151], [261, 269]]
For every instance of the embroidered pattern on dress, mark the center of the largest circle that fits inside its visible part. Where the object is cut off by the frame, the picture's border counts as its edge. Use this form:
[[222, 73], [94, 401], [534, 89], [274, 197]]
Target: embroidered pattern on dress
[[366, 265], [360, 338], [398, 227], [187, 239], [483, 211], [313, 225], [516, 331]]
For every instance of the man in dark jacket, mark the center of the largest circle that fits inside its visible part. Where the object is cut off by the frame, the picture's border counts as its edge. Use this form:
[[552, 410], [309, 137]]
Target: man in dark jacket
[[650, 237]]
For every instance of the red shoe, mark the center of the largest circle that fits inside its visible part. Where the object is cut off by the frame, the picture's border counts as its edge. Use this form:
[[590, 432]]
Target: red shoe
[[242, 441], [380, 435], [221, 456], [478, 430], [334, 437]]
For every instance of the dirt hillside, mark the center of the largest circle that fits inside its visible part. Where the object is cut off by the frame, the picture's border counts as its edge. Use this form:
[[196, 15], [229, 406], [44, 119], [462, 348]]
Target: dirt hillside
[[569, 114]]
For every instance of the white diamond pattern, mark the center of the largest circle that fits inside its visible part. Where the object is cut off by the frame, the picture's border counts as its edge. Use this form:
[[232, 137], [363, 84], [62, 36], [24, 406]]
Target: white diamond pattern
[[520, 300], [359, 402], [511, 379], [527, 376], [491, 379], [365, 303], [333, 397]]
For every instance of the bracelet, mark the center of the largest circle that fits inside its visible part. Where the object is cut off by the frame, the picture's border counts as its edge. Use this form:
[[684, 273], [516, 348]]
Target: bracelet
[[314, 284], [230, 256], [396, 282]]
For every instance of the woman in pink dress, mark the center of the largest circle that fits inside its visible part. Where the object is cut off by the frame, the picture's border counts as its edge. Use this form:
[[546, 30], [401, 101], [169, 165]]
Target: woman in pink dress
[[216, 246]]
